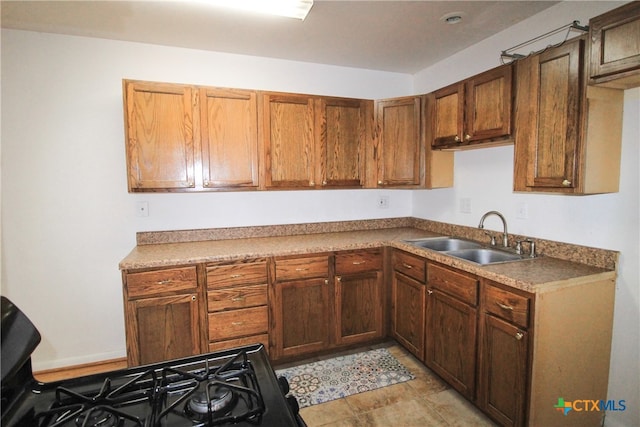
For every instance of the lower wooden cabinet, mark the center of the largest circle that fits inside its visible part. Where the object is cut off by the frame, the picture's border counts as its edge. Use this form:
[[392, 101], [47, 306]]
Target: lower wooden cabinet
[[237, 304], [358, 290], [451, 324], [408, 302], [504, 354], [301, 305], [162, 314]]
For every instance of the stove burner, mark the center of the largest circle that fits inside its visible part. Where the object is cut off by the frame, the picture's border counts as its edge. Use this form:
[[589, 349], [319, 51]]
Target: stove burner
[[220, 400], [98, 417]]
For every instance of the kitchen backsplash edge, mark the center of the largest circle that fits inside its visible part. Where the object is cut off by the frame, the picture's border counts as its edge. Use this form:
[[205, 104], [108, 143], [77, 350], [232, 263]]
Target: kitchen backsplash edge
[[597, 257]]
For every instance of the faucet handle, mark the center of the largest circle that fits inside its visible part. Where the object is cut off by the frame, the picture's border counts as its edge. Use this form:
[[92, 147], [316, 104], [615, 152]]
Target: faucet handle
[[532, 247], [519, 247], [493, 238]]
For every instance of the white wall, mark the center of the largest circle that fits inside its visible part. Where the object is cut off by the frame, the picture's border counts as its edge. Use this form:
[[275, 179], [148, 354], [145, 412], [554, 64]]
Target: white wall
[[67, 219], [606, 221]]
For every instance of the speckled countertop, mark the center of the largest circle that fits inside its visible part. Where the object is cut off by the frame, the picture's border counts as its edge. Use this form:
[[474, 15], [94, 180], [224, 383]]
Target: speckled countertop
[[560, 265]]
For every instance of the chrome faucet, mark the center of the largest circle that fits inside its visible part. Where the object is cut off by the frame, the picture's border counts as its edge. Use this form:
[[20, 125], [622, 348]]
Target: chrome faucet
[[505, 236]]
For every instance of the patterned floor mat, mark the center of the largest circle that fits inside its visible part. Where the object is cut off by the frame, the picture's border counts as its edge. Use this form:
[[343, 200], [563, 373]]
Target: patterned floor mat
[[330, 379]]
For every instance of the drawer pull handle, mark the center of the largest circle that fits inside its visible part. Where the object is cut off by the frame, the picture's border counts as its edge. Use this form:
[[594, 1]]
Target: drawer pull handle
[[504, 306], [405, 265], [302, 268], [164, 282], [519, 335], [359, 262], [237, 323], [237, 299], [235, 276]]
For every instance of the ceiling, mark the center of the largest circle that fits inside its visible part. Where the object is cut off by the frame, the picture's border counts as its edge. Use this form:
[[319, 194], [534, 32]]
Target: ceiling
[[397, 36]]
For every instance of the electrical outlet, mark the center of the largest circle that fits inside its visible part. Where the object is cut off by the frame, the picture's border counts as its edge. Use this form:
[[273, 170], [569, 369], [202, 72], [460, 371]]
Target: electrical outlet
[[142, 208], [522, 211], [465, 205], [383, 202]]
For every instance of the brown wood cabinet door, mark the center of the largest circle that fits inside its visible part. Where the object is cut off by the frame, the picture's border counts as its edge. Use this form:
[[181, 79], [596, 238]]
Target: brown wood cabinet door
[[399, 142], [358, 299], [447, 120], [159, 136], [408, 311], [229, 133], [289, 141], [301, 316], [488, 105], [615, 46], [162, 328], [341, 130], [503, 371], [548, 116], [451, 341]]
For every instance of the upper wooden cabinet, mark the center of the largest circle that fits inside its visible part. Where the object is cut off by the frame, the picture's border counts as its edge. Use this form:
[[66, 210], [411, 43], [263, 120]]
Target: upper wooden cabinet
[[341, 136], [314, 142], [185, 138], [476, 110], [568, 137], [159, 136], [229, 132], [400, 152], [288, 141], [615, 47]]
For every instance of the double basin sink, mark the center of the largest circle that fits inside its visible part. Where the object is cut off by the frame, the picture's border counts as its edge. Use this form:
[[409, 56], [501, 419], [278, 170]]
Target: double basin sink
[[467, 250]]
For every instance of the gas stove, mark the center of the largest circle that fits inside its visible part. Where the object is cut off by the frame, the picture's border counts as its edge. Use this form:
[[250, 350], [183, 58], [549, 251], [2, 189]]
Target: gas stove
[[236, 387]]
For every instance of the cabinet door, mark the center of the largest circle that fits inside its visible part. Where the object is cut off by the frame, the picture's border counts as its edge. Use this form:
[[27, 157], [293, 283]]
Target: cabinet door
[[488, 105], [162, 328], [301, 316], [503, 371], [358, 299], [615, 46], [548, 109], [159, 136], [288, 138], [229, 133], [451, 341], [447, 119], [399, 142], [341, 130], [408, 310]]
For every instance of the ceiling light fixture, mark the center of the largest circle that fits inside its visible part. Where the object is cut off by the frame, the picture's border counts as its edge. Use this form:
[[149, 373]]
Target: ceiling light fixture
[[289, 8], [452, 18]]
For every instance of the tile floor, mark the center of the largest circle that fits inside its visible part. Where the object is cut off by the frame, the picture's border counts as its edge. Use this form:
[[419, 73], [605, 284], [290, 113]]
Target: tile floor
[[424, 401]]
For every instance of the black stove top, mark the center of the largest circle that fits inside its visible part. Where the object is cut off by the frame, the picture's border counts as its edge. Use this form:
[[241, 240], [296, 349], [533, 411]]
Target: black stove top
[[233, 387]]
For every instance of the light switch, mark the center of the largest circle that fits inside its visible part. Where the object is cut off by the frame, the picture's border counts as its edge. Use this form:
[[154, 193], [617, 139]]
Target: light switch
[[142, 208]]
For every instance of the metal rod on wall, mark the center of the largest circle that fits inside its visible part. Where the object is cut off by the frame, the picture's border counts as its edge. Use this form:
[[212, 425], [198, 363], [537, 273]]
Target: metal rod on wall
[[575, 25]]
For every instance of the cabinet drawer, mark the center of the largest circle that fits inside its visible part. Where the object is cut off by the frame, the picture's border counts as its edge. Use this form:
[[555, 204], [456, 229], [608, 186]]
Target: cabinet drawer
[[507, 305], [240, 342], [299, 268], [410, 265], [238, 297], [159, 281], [238, 323], [357, 262], [220, 276], [457, 284]]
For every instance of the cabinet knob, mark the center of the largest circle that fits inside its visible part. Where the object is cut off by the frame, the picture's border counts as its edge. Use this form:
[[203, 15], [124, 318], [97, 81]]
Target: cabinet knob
[[193, 297], [429, 291], [380, 182], [456, 139], [566, 183], [467, 137], [339, 279], [519, 335], [324, 182]]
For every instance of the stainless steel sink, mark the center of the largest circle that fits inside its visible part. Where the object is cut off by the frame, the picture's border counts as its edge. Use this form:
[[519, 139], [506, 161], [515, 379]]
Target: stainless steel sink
[[467, 250], [486, 256], [444, 244]]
